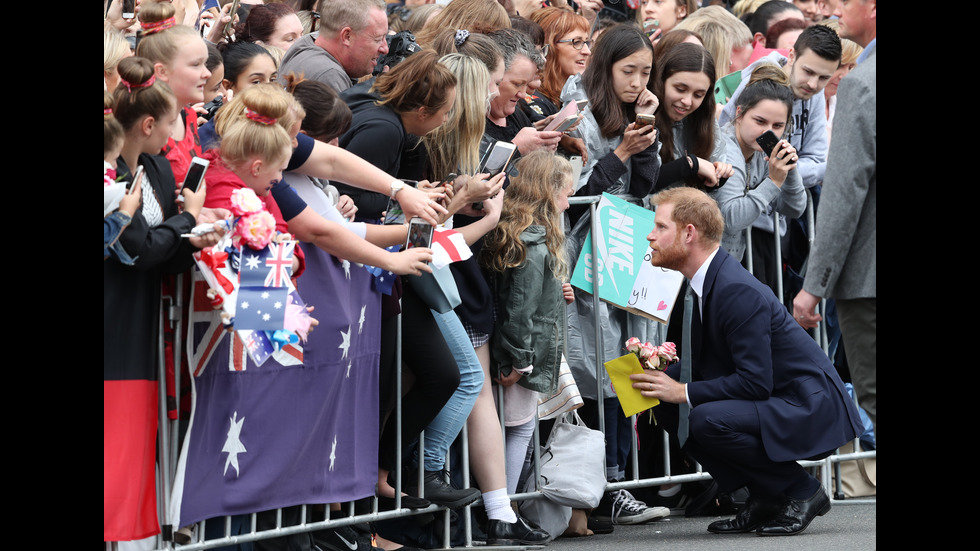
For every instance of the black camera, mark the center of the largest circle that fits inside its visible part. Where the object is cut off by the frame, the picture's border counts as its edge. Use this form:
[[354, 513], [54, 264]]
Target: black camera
[[400, 46], [212, 107]]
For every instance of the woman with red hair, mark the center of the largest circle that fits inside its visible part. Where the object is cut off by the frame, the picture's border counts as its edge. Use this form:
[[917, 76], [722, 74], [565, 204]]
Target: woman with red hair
[[569, 47]]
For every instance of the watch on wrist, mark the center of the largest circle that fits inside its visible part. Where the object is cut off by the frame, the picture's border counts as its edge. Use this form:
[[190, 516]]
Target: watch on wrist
[[396, 186]]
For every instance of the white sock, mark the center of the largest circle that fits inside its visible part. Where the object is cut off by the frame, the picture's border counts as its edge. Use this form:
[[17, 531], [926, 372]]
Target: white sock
[[497, 504]]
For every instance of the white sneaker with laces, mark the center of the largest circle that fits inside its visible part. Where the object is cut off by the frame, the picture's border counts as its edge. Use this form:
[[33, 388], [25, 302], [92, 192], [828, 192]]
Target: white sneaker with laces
[[626, 509]]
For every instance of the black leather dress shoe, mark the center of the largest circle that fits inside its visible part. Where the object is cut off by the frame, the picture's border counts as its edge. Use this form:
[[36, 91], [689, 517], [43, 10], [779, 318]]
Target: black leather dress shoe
[[516, 533], [756, 512], [797, 515]]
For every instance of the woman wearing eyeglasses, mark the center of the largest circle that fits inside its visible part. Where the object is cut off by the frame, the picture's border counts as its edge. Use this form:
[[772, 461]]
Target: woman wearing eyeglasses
[[569, 47]]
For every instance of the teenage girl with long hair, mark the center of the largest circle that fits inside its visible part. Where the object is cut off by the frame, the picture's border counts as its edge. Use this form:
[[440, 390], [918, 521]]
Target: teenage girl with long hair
[[622, 155], [623, 159], [691, 148]]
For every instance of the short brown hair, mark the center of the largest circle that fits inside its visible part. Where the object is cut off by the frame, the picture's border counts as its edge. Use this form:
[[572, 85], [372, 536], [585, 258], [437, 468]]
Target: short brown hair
[[337, 14], [693, 206]]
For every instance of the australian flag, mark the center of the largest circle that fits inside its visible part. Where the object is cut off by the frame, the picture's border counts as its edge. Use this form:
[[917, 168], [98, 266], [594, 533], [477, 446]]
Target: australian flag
[[302, 428], [263, 286]]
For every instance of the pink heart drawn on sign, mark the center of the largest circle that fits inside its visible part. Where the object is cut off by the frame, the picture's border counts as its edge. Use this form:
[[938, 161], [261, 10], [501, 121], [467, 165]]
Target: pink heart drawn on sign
[[662, 305]]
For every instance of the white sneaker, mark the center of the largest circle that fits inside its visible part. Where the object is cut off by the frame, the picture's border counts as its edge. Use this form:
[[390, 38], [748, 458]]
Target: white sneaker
[[625, 509]]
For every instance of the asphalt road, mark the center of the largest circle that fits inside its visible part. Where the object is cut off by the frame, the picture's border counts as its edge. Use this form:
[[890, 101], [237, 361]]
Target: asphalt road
[[849, 526]]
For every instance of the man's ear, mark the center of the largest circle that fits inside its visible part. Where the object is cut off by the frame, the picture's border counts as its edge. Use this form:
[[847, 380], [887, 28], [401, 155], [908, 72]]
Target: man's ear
[[346, 34], [690, 234], [758, 38], [791, 59]]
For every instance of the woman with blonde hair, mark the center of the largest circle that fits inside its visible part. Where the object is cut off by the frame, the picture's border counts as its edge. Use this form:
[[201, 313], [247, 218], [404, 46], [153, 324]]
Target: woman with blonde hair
[[728, 39], [115, 48], [850, 51], [455, 146], [477, 16]]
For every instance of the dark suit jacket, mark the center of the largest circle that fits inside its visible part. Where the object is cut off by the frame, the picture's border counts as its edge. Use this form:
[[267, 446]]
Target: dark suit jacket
[[751, 349]]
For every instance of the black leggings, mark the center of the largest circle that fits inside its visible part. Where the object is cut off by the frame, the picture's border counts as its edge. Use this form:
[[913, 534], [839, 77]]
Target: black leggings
[[426, 355]]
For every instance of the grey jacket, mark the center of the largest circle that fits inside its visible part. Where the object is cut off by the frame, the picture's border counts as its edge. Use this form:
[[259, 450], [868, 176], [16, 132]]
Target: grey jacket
[[809, 135], [750, 193], [843, 260]]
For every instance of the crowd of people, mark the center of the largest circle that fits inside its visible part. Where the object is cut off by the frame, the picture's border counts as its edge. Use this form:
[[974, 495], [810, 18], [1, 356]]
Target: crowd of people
[[340, 115]]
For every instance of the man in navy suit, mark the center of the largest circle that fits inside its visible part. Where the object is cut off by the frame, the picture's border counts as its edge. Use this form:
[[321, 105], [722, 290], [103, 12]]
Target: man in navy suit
[[762, 394]]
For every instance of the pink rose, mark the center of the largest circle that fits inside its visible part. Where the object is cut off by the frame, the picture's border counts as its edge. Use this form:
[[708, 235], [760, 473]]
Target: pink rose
[[668, 350], [244, 201], [647, 350], [256, 229], [633, 345], [653, 362]]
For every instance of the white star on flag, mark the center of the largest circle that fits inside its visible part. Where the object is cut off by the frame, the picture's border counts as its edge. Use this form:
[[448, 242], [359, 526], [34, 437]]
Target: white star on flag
[[233, 444], [346, 343]]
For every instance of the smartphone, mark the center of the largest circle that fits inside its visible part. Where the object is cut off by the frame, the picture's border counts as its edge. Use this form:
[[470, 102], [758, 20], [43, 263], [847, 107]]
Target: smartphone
[[229, 26], [195, 174], [394, 215], [725, 87], [419, 234], [645, 120], [137, 180], [768, 142], [450, 179], [497, 158], [129, 9], [576, 161], [567, 123]]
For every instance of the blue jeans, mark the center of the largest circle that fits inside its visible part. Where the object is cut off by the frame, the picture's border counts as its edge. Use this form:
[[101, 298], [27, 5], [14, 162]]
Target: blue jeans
[[441, 432]]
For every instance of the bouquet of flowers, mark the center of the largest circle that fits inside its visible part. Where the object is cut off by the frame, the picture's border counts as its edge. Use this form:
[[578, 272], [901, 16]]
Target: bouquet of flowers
[[650, 356]]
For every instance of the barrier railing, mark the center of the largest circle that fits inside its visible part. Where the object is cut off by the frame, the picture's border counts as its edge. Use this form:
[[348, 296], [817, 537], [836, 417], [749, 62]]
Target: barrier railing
[[168, 437]]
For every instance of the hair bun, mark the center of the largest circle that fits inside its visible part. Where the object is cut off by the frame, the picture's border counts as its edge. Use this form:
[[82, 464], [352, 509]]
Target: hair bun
[[769, 71]]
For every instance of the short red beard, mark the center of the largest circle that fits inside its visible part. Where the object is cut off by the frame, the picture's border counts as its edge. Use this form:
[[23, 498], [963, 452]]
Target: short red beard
[[673, 256]]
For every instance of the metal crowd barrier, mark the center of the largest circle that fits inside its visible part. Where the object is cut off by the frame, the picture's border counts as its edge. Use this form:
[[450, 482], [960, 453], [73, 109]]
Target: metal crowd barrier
[[169, 444]]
